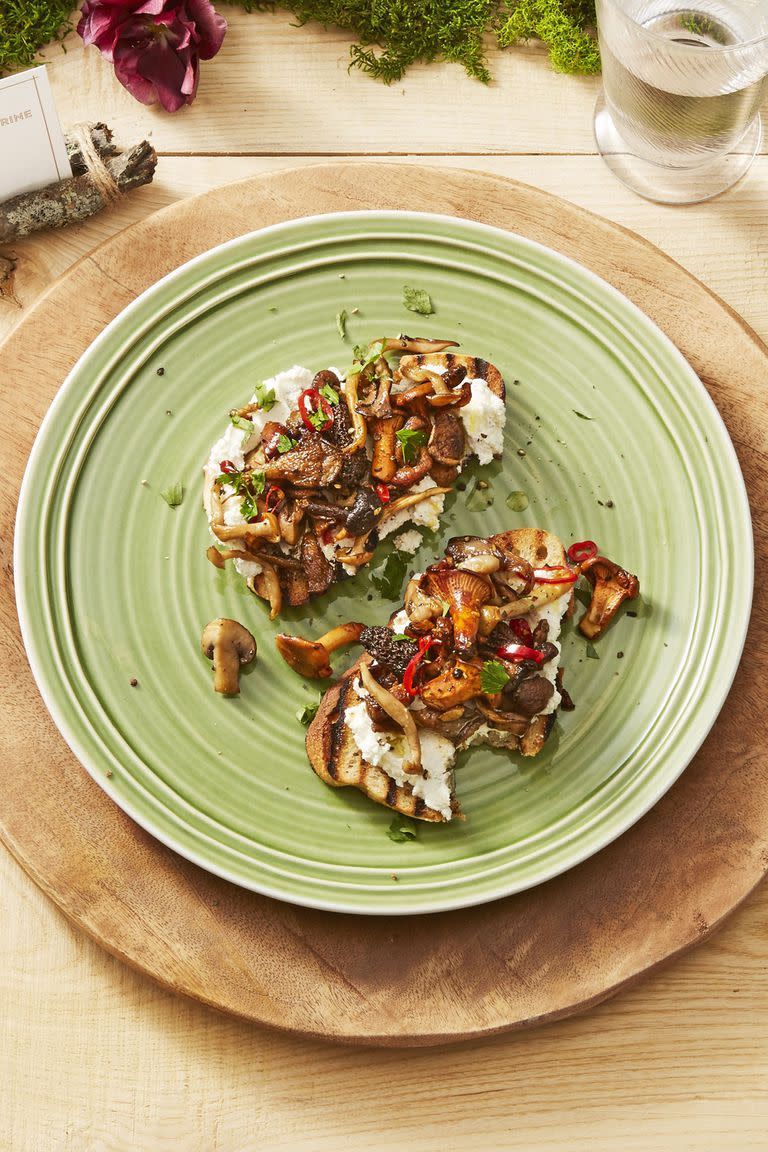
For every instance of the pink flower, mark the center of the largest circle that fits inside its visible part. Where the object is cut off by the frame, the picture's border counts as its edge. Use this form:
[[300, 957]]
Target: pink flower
[[156, 45]]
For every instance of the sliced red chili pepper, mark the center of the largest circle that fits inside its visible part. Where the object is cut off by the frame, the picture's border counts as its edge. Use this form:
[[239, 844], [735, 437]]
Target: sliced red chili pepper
[[274, 497], [555, 576], [327, 534], [522, 630], [519, 652], [425, 643], [310, 404], [227, 467], [582, 551], [383, 492]]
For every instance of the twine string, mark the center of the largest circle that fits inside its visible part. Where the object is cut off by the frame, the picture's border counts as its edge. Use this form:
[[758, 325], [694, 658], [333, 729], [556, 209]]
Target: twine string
[[98, 172]]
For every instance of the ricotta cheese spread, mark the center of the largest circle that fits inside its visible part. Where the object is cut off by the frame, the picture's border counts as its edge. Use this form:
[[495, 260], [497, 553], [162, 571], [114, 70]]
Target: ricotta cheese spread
[[387, 751], [408, 541]]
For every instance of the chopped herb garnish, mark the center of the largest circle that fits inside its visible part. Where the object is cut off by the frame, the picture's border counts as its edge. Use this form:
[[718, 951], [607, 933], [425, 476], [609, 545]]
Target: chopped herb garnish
[[174, 495], [410, 439], [330, 394], [318, 419], [445, 607], [366, 355], [264, 397], [400, 636], [517, 501], [241, 423], [581, 415], [417, 300], [493, 677], [341, 323], [402, 828], [307, 714], [388, 580], [249, 485], [592, 652], [285, 444], [480, 498]]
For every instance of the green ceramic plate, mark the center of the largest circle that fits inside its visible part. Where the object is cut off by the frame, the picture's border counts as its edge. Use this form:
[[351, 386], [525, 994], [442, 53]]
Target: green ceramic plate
[[610, 435]]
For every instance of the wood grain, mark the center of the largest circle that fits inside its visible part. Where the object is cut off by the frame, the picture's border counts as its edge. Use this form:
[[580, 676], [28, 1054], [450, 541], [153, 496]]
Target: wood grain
[[722, 242], [662, 887], [275, 89]]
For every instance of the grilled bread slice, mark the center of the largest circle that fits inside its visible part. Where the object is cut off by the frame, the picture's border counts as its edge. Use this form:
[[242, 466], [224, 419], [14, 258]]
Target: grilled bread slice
[[477, 369], [336, 755], [337, 760]]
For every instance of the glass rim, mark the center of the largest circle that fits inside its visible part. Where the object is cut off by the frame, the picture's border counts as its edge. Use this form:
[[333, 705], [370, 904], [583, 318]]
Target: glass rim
[[741, 46]]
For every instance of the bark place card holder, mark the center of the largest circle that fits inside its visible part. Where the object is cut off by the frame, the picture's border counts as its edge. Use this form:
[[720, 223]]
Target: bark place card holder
[[32, 148]]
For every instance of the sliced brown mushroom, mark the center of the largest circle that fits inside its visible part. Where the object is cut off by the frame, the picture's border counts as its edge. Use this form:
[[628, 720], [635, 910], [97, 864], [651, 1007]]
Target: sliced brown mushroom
[[357, 555], [507, 721], [267, 585], [459, 681], [310, 657], [266, 529], [359, 427], [465, 593], [447, 439], [381, 406], [230, 646], [418, 344], [313, 463], [398, 712], [611, 586], [383, 433], [473, 554], [289, 518]]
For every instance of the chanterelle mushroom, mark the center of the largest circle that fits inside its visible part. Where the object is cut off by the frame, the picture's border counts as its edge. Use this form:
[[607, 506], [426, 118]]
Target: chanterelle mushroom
[[229, 645], [310, 657], [611, 586]]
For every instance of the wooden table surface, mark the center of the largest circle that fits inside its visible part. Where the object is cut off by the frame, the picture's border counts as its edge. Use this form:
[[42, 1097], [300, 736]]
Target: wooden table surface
[[94, 1058]]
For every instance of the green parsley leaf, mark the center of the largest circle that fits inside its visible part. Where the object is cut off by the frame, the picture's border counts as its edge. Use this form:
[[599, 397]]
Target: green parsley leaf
[[329, 394], [388, 579], [592, 652], [446, 607], [318, 419], [284, 443], [402, 829], [581, 415], [174, 495], [241, 422], [400, 636], [517, 501], [248, 507], [307, 714], [365, 356], [341, 323], [257, 483], [264, 397], [410, 439], [417, 300], [493, 676]]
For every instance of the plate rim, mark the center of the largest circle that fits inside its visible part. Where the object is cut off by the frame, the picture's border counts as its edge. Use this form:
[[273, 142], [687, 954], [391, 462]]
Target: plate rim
[[725, 444]]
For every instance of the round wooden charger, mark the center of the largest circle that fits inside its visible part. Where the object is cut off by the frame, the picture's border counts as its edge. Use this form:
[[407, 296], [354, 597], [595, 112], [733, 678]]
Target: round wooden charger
[[663, 886]]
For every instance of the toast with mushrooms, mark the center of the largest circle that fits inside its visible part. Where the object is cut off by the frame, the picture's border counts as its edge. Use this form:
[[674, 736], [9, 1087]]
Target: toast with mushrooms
[[315, 470], [472, 658]]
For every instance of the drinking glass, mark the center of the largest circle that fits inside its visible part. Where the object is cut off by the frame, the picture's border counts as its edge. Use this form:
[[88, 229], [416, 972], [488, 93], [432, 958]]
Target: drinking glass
[[678, 118]]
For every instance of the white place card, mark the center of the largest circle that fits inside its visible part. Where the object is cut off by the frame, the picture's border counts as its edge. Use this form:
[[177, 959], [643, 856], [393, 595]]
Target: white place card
[[32, 148]]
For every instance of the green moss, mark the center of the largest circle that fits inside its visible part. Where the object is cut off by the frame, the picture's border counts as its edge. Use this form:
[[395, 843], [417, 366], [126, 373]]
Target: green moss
[[563, 25], [391, 35], [26, 25]]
